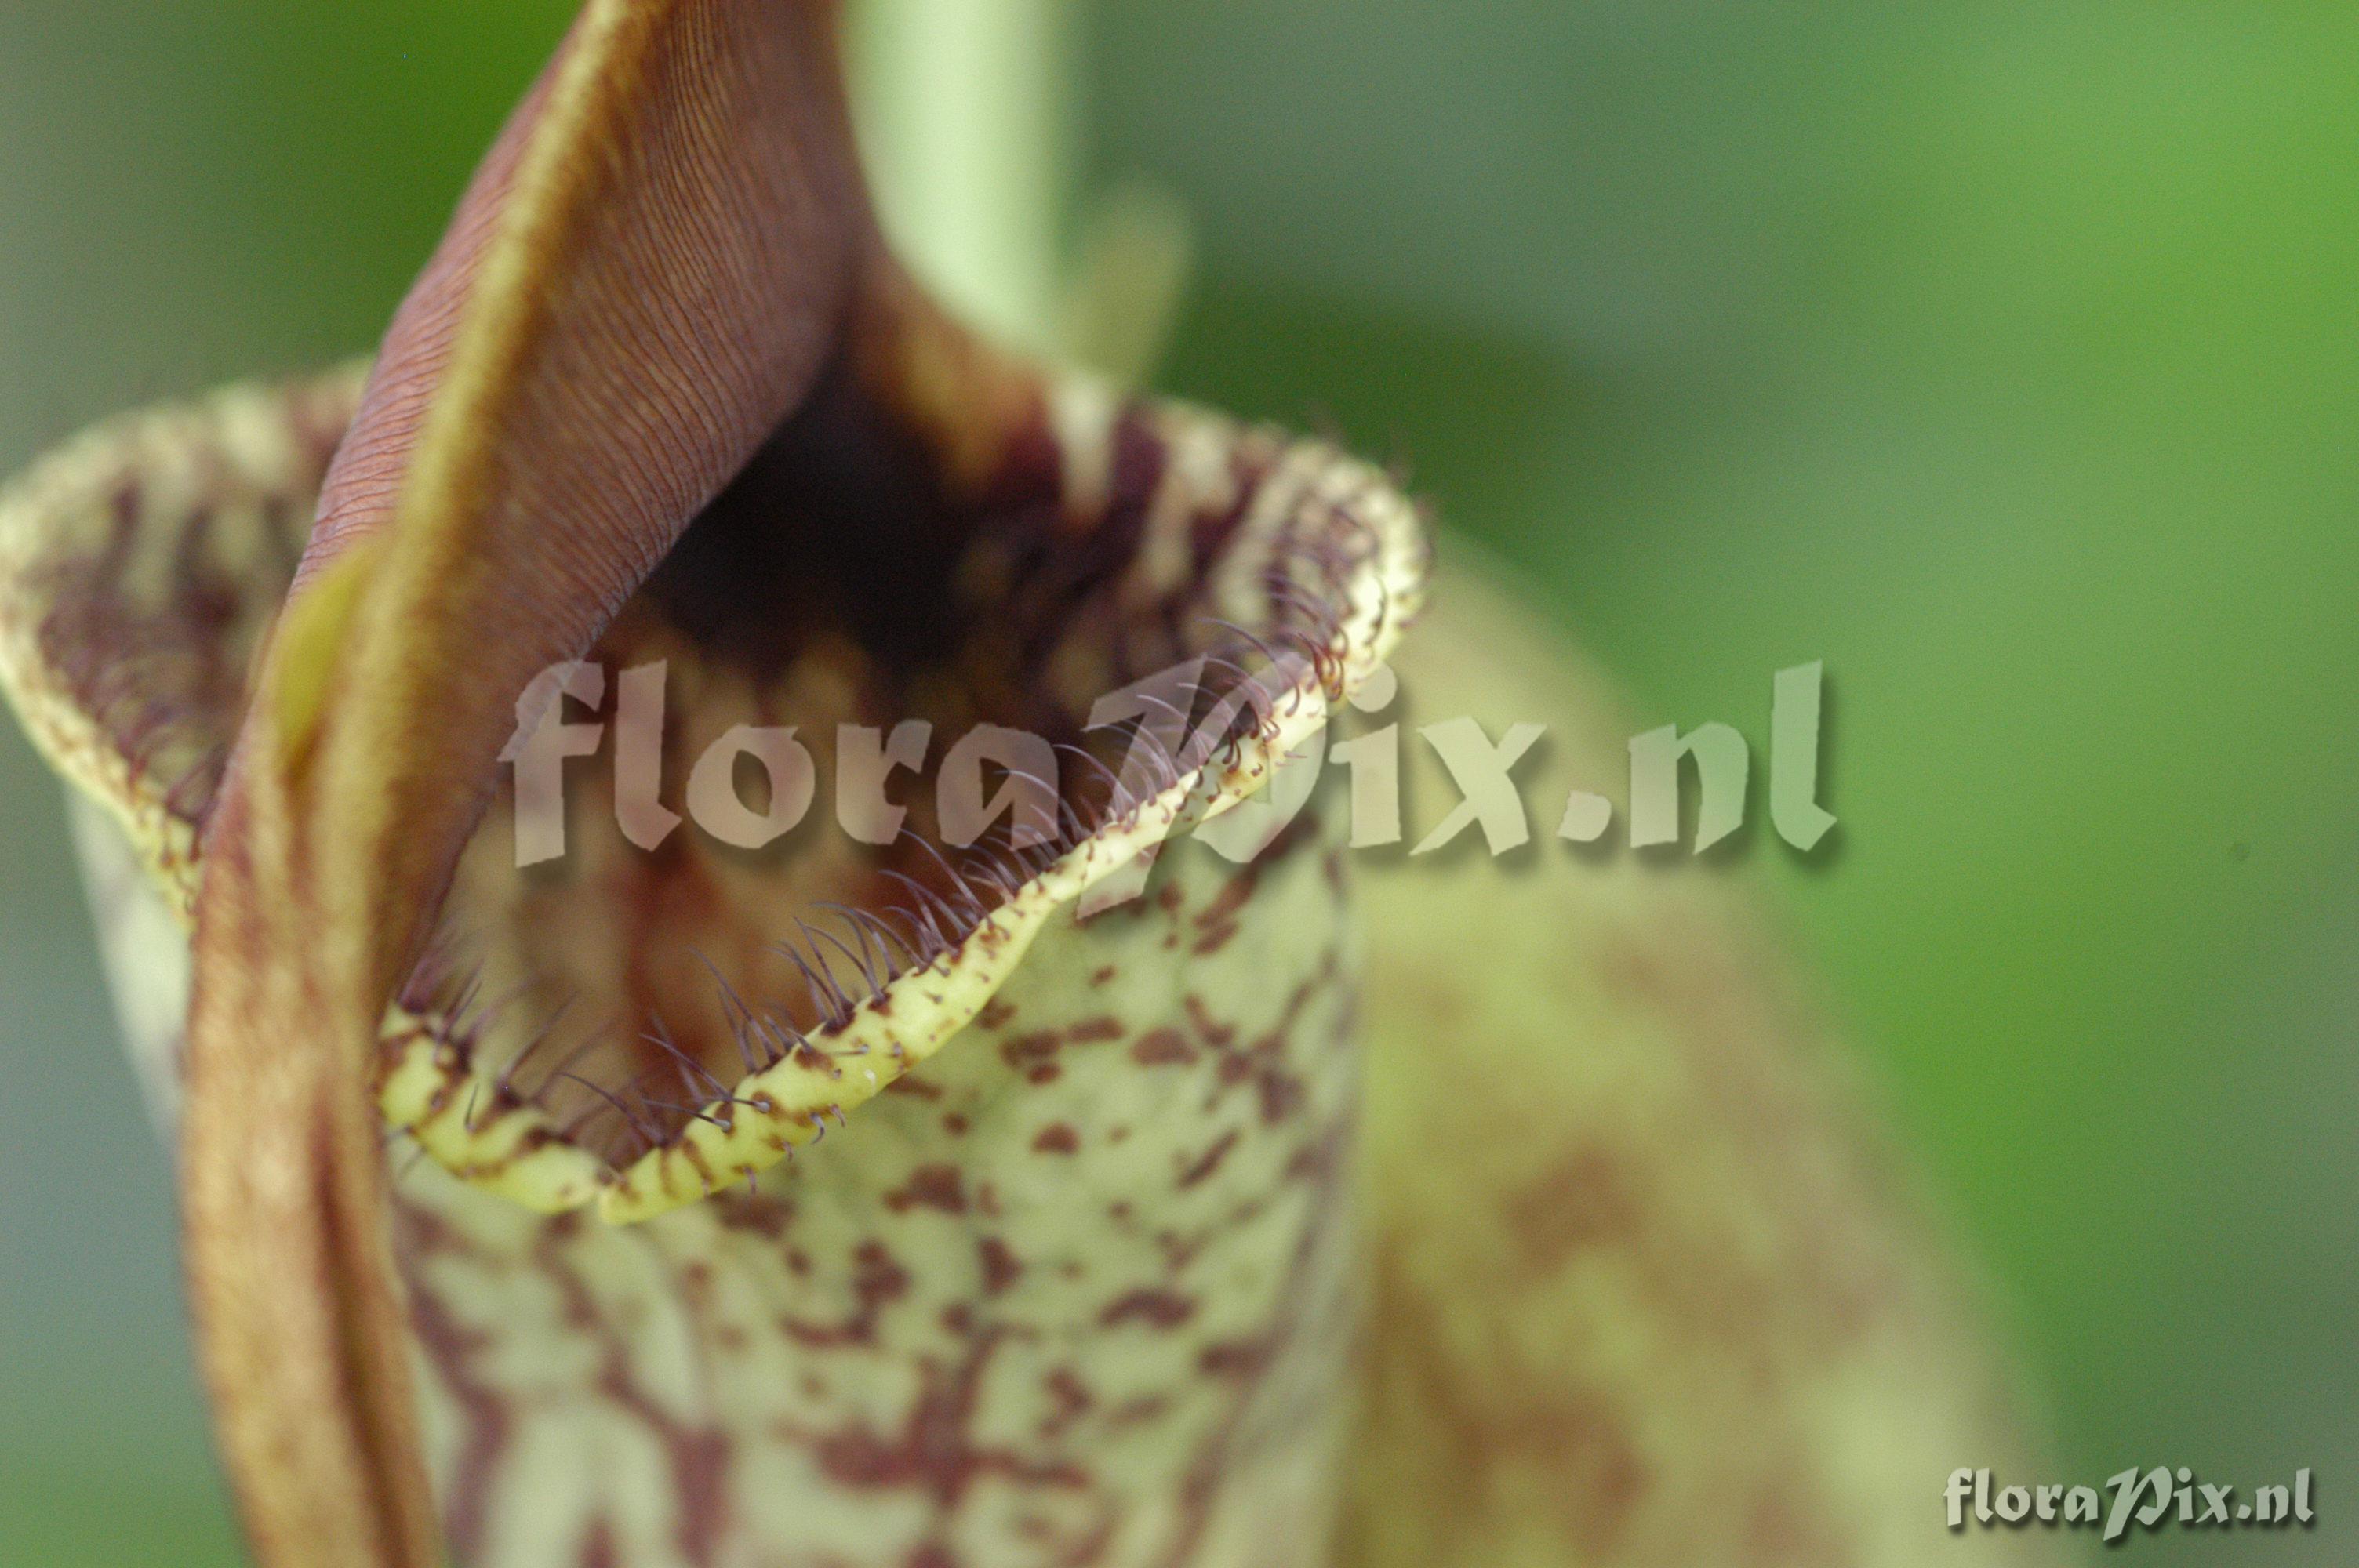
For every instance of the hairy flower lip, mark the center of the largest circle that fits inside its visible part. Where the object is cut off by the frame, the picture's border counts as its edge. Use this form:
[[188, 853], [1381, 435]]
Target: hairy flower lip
[[973, 932], [464, 1112], [240, 462], [600, 342]]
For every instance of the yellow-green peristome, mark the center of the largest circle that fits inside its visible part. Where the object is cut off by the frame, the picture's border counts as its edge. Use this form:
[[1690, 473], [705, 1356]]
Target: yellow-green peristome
[[1073, 1274], [1630, 1283]]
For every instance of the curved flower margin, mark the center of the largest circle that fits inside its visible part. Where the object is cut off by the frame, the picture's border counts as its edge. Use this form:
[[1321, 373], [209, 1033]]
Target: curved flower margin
[[1176, 1070]]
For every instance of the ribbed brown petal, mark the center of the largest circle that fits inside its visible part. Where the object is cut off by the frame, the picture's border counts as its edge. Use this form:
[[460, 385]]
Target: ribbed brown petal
[[643, 280]]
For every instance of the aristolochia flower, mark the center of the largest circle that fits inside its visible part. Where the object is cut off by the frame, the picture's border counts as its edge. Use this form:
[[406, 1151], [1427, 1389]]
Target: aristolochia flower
[[900, 1197]]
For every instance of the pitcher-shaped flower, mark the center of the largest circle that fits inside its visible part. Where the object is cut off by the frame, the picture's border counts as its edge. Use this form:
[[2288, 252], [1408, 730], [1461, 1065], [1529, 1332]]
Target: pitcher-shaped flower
[[904, 1195]]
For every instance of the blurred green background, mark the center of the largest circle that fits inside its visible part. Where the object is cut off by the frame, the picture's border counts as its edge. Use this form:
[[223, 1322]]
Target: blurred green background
[[2005, 356]]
